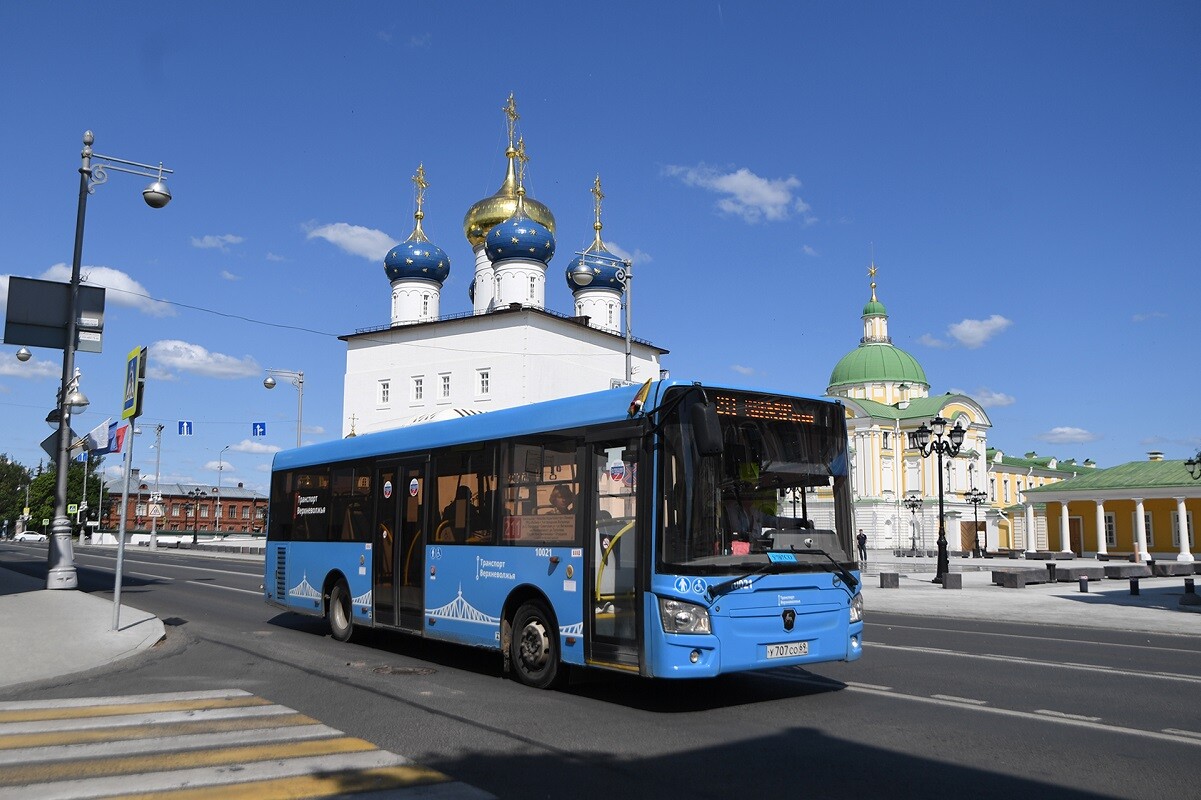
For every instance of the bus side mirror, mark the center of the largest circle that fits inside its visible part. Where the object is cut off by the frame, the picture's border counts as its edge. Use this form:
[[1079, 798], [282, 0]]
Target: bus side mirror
[[706, 430]]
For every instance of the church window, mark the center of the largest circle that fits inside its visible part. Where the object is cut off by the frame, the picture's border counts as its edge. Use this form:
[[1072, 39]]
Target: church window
[[445, 395], [1150, 531], [385, 392], [533, 286], [1111, 530], [610, 307], [425, 305], [887, 441], [418, 388], [484, 387]]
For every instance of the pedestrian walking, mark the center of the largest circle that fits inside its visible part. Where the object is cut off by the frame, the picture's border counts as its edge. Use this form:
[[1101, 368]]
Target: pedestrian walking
[[861, 540]]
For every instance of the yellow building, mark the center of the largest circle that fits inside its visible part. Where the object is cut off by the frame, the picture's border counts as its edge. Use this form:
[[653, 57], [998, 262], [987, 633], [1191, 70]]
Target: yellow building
[[1136, 508], [1008, 479]]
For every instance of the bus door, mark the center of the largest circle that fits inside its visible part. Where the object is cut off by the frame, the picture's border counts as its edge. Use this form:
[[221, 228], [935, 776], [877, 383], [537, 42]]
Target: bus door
[[614, 562], [400, 555]]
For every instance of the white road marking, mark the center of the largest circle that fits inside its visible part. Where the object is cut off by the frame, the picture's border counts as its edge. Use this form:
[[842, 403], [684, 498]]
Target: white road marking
[[1064, 715], [952, 698]]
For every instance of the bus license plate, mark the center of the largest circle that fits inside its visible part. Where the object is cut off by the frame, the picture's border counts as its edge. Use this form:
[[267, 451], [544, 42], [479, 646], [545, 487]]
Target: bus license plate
[[789, 650]]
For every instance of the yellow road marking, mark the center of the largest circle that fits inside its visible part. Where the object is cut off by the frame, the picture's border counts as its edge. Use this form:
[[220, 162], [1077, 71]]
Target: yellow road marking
[[58, 738], [128, 765], [329, 783], [114, 710]]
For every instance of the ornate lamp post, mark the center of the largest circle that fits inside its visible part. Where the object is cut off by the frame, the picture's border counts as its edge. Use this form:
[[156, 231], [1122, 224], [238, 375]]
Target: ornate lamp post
[[297, 379], [195, 494], [60, 572], [913, 502], [1194, 466], [975, 497], [936, 439]]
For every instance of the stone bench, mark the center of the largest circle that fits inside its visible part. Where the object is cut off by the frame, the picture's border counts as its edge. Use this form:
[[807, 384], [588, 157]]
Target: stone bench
[[1163, 569], [890, 580], [1071, 574], [1127, 571], [1018, 578]]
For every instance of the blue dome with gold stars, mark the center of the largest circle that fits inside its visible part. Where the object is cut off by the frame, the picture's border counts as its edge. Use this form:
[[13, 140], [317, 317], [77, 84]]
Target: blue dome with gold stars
[[417, 258], [601, 270], [520, 237]]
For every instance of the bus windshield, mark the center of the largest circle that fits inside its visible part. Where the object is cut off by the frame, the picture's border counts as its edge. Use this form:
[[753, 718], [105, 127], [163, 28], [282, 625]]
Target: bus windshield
[[781, 484]]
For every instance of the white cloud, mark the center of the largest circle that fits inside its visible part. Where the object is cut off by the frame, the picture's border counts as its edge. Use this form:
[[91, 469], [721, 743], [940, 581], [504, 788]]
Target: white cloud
[[122, 290], [33, 368], [249, 446], [930, 340], [973, 333], [988, 398], [274, 257], [746, 194], [219, 465], [168, 356], [221, 243], [741, 370], [1148, 315], [1067, 435], [355, 239], [229, 276], [809, 251], [637, 257]]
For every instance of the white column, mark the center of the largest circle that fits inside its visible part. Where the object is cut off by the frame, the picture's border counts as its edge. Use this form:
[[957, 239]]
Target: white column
[[1030, 537], [1182, 525], [1101, 548], [1140, 531], [485, 282], [1065, 532]]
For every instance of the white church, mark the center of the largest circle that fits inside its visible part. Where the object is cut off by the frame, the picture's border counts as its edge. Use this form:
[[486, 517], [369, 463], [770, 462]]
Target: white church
[[509, 349]]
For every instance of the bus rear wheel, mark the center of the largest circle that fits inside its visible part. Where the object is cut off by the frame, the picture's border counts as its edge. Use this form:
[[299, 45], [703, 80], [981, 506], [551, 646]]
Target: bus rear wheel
[[338, 614], [534, 646]]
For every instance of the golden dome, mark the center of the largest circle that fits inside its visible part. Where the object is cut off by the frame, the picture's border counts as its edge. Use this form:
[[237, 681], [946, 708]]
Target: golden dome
[[491, 211]]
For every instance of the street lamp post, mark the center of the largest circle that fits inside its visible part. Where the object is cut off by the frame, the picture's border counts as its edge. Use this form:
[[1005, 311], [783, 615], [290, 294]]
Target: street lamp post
[[937, 439], [975, 497], [60, 572], [220, 467], [1194, 466], [297, 379], [195, 494], [158, 495], [913, 502]]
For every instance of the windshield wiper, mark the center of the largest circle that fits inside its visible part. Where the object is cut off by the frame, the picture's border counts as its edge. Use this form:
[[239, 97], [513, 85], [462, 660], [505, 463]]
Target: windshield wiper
[[847, 577], [725, 586]]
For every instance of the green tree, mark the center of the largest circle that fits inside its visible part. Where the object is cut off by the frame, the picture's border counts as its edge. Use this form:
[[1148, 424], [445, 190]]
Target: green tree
[[14, 478]]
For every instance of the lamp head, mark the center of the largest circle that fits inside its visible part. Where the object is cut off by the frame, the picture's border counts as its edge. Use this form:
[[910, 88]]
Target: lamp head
[[581, 274], [938, 425], [957, 434], [269, 382], [77, 400], [24, 355], [157, 195]]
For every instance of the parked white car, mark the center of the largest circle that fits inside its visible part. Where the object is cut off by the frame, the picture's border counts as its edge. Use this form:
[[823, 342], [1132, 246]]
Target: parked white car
[[31, 536]]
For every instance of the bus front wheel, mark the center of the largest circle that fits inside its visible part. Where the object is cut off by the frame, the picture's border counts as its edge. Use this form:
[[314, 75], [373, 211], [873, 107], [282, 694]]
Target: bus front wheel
[[339, 612], [534, 646]]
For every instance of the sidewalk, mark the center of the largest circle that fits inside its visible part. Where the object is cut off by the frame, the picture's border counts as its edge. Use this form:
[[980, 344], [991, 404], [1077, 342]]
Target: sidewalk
[[50, 633], [1108, 603], [47, 634]]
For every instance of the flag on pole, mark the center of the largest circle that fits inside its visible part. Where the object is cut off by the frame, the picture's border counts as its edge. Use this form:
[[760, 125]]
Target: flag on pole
[[97, 438], [116, 437]]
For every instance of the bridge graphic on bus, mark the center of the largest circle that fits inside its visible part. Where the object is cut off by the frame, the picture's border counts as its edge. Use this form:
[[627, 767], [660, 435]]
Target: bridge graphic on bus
[[460, 610], [306, 591]]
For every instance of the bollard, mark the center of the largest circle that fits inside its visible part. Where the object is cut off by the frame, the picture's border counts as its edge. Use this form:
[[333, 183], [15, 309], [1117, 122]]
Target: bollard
[[1134, 585], [1084, 583], [1189, 588], [1051, 573]]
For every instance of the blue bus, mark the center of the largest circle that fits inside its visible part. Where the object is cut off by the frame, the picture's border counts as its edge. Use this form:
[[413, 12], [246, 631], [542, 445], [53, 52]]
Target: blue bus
[[639, 529]]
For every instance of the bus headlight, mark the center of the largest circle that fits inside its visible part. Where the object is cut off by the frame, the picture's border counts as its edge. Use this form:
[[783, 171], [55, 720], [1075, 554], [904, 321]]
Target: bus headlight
[[857, 608], [681, 617]]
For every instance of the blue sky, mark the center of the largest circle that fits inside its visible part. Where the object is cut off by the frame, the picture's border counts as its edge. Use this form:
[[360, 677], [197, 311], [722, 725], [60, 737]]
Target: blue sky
[[1026, 175]]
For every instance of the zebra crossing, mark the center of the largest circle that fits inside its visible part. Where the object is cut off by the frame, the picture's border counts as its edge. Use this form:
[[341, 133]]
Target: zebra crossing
[[196, 746]]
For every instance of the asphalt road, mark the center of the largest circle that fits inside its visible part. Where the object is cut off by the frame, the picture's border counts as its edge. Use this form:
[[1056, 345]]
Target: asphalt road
[[935, 706]]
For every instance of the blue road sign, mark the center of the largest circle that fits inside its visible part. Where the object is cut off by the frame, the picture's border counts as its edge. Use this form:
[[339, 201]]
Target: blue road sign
[[185, 427], [258, 429]]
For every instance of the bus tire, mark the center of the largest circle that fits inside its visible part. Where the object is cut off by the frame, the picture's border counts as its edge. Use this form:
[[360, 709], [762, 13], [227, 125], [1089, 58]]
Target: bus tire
[[339, 612], [534, 646]]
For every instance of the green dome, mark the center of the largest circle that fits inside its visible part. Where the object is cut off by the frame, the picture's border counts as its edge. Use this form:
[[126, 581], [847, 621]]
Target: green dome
[[874, 308], [877, 362]]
